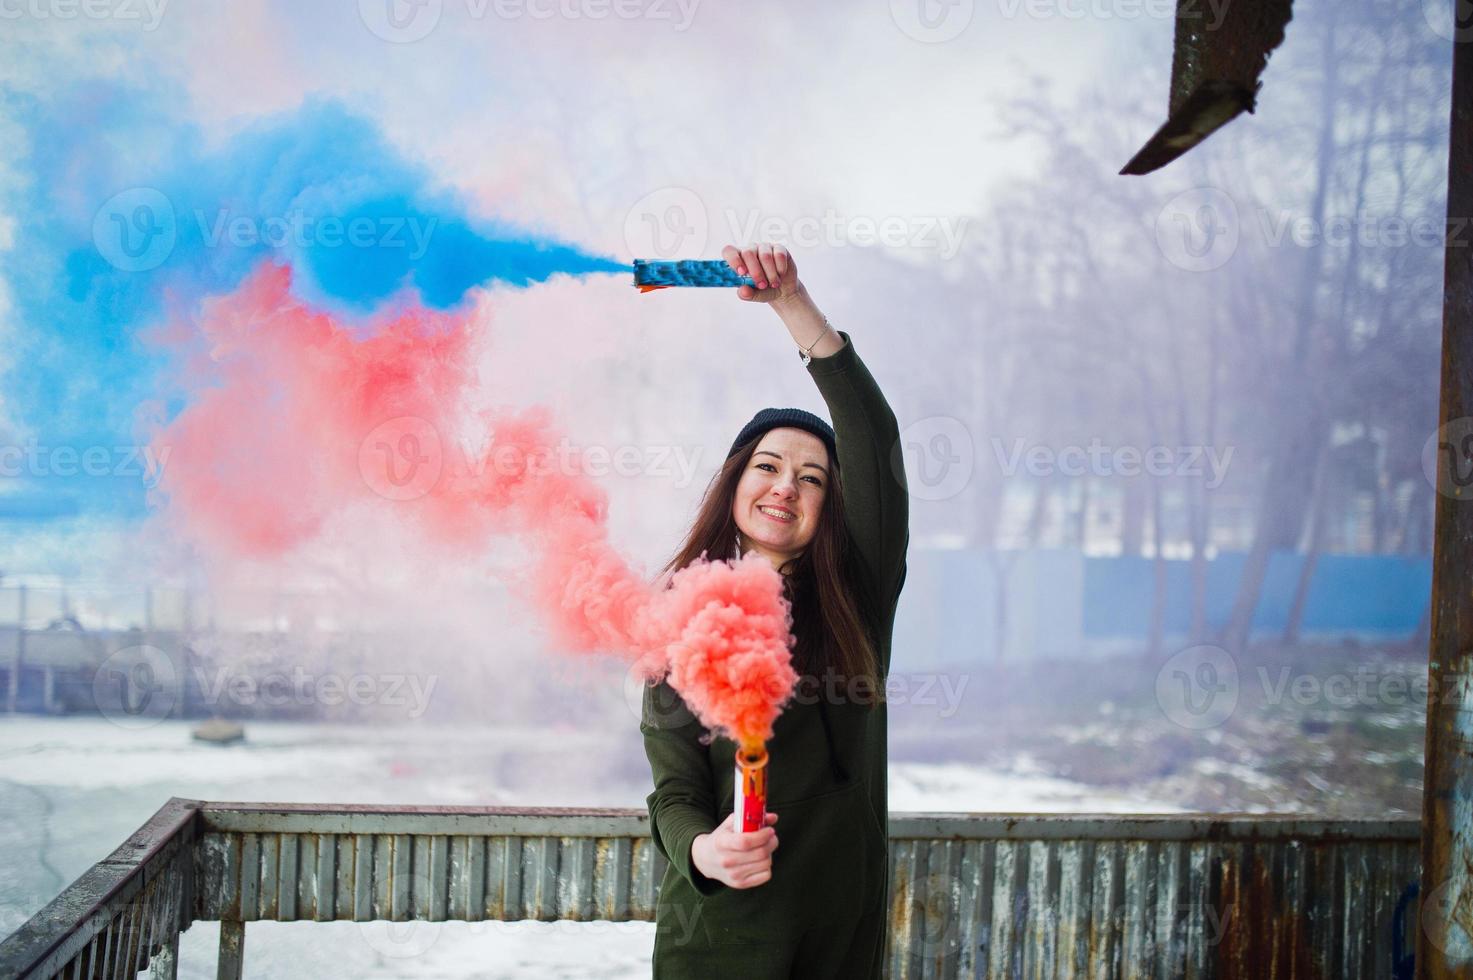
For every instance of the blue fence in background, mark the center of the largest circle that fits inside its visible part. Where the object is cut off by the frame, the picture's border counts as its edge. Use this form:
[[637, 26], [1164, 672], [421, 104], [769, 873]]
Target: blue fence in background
[[1381, 595], [1061, 604]]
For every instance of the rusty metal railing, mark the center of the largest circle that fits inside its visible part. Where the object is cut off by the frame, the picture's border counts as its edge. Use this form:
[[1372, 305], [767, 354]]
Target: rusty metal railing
[[972, 895], [123, 915]]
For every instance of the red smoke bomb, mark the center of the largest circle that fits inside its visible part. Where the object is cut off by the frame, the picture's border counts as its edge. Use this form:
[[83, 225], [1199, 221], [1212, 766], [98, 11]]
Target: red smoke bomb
[[751, 788]]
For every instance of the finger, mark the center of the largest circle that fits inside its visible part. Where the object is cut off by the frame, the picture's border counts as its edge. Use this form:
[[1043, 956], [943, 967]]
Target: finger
[[771, 819], [733, 257], [754, 840], [751, 881], [769, 263], [740, 845], [753, 264], [747, 864], [747, 870], [783, 260]]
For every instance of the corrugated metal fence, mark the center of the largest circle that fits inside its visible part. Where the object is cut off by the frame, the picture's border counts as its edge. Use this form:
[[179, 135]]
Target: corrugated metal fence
[[972, 895]]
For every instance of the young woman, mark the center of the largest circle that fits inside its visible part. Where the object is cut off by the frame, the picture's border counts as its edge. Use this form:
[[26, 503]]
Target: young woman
[[829, 508]]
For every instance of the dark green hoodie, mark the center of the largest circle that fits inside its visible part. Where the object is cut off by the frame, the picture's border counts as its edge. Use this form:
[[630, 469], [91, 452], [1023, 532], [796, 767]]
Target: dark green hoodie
[[827, 775]]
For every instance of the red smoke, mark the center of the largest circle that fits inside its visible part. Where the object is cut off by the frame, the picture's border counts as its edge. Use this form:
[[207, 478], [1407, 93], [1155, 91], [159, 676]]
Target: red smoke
[[294, 419]]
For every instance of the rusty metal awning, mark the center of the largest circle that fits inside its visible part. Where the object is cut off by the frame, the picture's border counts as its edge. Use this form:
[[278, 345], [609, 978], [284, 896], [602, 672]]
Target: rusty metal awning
[[1221, 50]]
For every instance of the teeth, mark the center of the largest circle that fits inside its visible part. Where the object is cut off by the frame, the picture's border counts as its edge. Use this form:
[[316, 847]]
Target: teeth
[[776, 513]]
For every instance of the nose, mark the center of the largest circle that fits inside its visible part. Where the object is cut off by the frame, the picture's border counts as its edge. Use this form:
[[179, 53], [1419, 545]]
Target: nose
[[786, 489]]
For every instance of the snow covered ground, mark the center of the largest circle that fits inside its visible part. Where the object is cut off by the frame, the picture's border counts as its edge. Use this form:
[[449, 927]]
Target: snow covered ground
[[71, 790]]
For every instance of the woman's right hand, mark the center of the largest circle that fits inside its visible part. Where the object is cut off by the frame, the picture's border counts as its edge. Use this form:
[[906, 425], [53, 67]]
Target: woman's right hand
[[733, 858]]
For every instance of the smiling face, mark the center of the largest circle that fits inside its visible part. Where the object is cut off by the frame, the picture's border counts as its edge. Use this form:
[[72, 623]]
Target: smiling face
[[780, 495]]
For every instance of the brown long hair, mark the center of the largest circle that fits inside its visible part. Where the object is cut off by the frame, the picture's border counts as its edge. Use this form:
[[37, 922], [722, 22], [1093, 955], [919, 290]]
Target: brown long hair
[[830, 610]]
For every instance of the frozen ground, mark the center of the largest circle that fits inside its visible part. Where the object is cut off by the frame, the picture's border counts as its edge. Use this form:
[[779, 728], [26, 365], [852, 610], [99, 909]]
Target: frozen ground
[[71, 789]]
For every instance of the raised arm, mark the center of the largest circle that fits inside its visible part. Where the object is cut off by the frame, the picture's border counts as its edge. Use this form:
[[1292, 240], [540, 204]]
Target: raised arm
[[871, 467], [871, 464]]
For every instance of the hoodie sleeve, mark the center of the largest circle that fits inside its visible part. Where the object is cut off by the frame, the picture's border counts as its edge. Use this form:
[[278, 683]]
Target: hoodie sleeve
[[871, 466], [683, 805]]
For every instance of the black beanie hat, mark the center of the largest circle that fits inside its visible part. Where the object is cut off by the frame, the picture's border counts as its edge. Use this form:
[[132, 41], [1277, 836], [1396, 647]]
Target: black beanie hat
[[776, 418]]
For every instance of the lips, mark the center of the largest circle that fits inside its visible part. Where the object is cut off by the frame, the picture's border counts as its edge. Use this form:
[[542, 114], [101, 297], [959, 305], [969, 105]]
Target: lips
[[766, 512]]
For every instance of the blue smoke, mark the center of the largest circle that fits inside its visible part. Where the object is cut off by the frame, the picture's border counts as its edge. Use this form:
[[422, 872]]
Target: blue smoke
[[122, 210]]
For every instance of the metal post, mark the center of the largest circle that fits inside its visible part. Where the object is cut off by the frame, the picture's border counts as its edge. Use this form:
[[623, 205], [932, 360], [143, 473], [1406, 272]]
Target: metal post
[[1445, 939], [232, 950]]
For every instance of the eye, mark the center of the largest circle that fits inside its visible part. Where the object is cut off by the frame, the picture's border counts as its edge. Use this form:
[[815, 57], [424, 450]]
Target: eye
[[768, 465], [816, 481]]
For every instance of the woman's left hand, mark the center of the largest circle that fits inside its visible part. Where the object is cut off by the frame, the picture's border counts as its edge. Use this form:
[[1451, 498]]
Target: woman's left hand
[[771, 268]]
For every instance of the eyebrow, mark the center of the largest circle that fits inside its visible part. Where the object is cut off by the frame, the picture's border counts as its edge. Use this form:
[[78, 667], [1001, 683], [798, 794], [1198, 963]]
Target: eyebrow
[[766, 452]]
